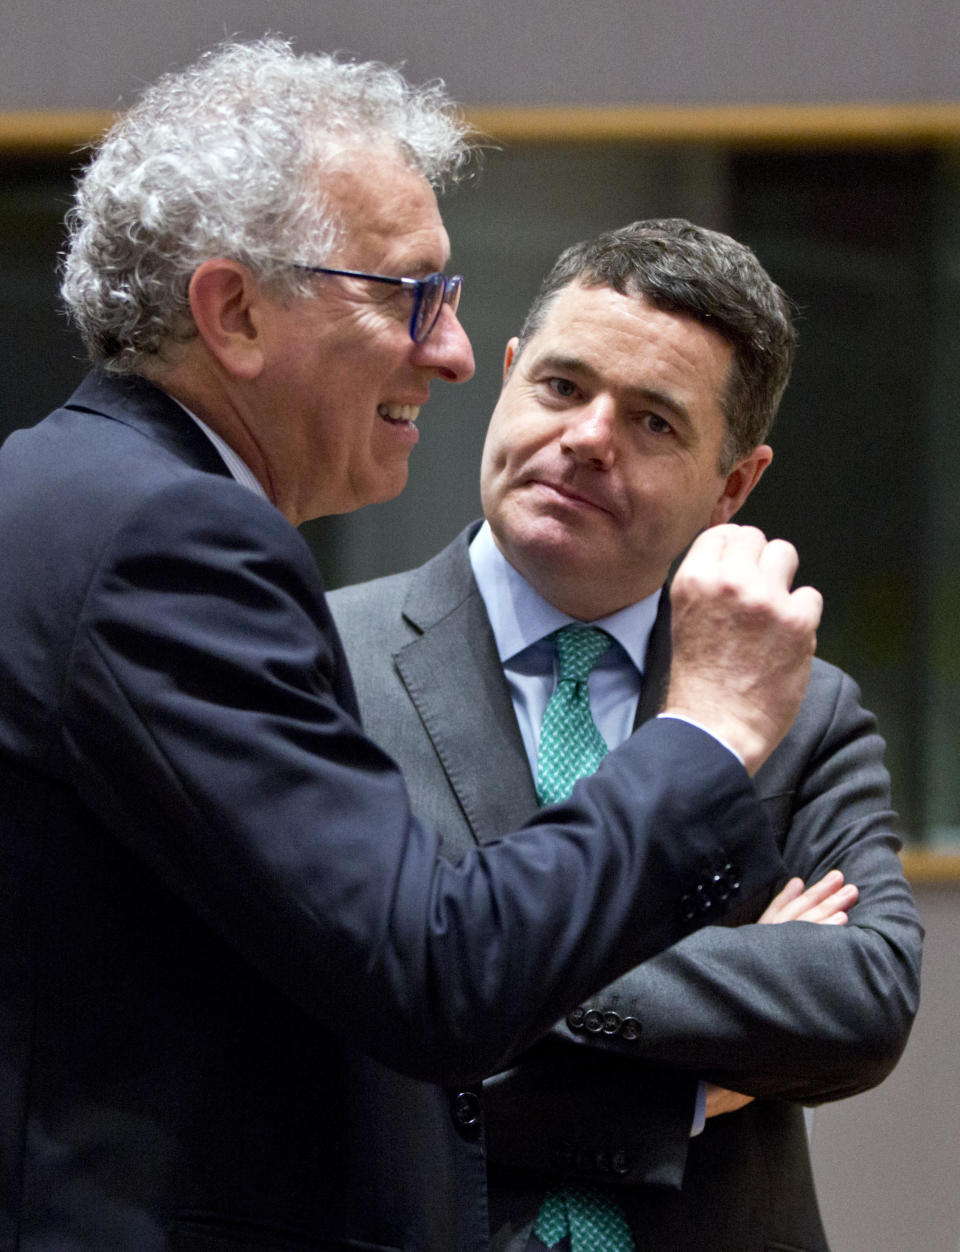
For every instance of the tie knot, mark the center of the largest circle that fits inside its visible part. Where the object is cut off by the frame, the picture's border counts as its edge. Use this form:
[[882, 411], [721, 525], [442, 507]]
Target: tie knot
[[579, 648]]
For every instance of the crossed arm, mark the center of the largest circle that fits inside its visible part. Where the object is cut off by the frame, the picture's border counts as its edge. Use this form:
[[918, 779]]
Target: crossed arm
[[793, 1011], [825, 903]]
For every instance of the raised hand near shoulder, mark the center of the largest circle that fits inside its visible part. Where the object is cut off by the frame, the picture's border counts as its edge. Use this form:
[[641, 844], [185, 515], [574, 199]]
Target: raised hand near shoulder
[[743, 640]]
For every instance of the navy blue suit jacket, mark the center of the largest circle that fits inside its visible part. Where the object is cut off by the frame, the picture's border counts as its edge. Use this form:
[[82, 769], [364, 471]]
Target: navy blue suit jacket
[[242, 998]]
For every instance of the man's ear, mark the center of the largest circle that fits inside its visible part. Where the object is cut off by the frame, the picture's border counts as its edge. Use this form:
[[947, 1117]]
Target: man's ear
[[226, 303], [509, 356], [740, 482]]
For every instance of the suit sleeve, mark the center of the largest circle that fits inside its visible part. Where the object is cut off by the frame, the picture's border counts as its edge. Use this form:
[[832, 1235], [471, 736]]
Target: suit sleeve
[[797, 1010], [204, 725]]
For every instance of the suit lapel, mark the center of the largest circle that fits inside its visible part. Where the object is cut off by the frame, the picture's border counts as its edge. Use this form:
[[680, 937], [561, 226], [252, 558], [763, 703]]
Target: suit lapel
[[462, 697], [656, 668]]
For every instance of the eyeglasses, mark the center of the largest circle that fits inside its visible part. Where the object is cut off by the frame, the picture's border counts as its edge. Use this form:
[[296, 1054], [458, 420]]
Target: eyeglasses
[[430, 294]]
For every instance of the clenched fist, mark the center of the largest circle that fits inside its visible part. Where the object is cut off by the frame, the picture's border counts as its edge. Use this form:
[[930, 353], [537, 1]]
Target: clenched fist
[[743, 641]]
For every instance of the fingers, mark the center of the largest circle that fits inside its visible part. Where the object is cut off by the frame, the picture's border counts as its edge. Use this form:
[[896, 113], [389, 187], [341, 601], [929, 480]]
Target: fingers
[[825, 903], [833, 910], [742, 640], [781, 902], [779, 560], [726, 543], [807, 603], [720, 1100]]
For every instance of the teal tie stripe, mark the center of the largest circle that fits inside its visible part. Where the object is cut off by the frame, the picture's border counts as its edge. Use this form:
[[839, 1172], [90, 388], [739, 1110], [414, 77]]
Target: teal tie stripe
[[571, 747], [593, 1222], [570, 744]]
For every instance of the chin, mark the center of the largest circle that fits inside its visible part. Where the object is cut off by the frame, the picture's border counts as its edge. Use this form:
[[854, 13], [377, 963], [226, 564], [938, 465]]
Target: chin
[[382, 491]]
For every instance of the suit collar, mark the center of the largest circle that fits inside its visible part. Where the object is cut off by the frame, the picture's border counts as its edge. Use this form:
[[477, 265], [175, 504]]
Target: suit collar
[[443, 584], [469, 716], [656, 669], [142, 406]]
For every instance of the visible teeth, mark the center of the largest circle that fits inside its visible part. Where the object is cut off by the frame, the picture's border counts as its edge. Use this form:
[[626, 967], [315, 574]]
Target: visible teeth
[[399, 412]]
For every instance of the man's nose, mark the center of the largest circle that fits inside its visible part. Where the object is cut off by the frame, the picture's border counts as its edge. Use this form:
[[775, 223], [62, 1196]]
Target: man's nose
[[590, 434], [447, 349]]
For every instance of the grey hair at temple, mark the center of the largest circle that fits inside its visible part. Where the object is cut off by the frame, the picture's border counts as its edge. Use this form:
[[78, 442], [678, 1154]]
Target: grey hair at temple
[[226, 158], [705, 275]]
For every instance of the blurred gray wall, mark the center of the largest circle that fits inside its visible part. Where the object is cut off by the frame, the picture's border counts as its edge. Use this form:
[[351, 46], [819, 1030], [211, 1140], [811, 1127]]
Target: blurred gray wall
[[87, 54]]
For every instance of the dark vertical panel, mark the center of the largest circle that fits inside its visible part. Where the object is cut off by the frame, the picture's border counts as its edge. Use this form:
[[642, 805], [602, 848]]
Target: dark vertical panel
[[941, 778], [41, 360], [848, 237]]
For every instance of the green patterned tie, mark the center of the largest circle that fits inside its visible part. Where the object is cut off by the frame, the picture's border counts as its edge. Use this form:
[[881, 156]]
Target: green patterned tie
[[570, 744], [593, 1222], [570, 748]]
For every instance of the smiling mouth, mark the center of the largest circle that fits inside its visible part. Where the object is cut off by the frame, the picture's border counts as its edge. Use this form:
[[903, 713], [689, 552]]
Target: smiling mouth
[[399, 414]]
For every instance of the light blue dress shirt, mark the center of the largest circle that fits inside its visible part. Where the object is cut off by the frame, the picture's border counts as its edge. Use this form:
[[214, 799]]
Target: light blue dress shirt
[[521, 621]]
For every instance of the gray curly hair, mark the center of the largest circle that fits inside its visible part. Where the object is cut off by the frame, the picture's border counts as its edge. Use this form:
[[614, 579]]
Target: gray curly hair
[[705, 275], [216, 160]]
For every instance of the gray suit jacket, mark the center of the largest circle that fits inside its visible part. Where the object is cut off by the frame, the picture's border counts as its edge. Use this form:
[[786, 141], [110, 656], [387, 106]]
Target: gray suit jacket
[[791, 1013]]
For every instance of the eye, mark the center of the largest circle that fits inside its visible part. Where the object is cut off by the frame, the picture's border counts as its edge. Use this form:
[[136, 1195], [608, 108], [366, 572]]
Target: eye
[[562, 387], [656, 424]]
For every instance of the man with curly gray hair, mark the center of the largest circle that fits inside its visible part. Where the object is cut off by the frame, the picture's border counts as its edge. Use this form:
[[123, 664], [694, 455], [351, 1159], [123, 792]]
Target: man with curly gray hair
[[244, 1003]]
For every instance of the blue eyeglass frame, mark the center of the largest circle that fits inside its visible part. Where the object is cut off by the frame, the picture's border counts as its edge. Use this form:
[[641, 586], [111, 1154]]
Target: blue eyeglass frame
[[450, 290]]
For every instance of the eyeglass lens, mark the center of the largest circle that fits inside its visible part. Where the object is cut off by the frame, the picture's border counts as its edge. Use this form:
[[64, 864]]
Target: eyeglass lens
[[435, 291]]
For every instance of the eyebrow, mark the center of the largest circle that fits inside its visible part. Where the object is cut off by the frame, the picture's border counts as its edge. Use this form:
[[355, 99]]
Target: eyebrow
[[648, 395], [420, 267]]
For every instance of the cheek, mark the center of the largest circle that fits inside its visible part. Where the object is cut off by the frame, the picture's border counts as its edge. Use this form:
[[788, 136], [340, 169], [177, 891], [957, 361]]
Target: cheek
[[495, 455]]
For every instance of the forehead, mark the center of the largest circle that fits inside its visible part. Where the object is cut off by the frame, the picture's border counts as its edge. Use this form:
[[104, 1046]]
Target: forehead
[[627, 341], [388, 214]]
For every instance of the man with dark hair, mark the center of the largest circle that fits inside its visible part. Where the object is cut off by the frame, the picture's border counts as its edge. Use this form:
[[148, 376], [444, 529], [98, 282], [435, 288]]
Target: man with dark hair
[[243, 1000], [633, 414]]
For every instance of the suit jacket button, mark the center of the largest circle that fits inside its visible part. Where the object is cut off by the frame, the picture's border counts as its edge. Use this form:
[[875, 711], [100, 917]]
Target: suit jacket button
[[620, 1162], [720, 889], [732, 876], [575, 1019], [594, 1021], [602, 1161], [630, 1029], [611, 1023], [468, 1114]]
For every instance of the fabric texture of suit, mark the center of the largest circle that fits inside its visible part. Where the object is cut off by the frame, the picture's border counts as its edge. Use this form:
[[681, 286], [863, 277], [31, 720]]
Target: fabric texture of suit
[[789, 1013], [221, 929]]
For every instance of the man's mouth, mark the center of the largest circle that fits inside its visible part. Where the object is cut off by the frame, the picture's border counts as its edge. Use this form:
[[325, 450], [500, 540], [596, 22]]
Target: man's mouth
[[399, 414], [575, 497]]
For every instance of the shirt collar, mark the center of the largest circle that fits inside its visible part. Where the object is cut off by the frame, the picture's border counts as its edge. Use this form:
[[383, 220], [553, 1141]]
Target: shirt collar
[[239, 469], [520, 617]]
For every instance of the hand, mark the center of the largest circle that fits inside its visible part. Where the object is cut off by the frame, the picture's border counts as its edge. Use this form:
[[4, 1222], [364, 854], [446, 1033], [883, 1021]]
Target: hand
[[743, 642], [826, 902], [720, 1100]]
